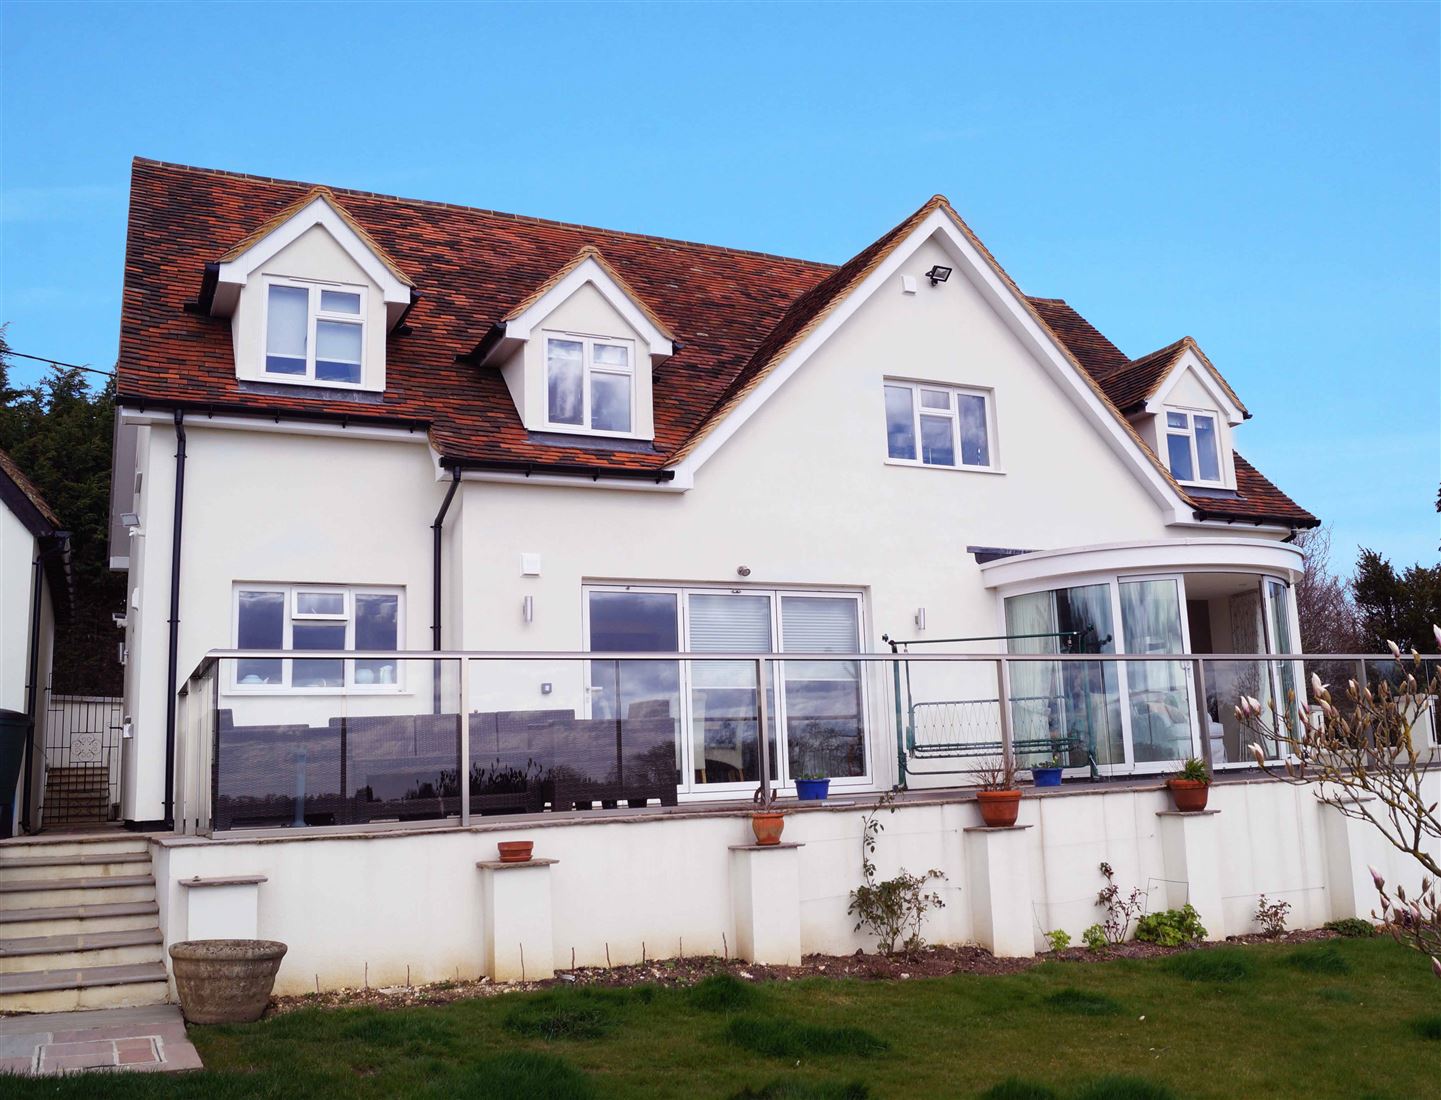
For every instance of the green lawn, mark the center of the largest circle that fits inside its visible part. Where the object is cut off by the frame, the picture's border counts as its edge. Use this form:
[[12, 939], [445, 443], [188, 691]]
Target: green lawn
[[1346, 1019]]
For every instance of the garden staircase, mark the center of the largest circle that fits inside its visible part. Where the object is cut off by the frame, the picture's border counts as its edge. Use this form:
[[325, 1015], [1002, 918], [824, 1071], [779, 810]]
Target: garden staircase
[[79, 924]]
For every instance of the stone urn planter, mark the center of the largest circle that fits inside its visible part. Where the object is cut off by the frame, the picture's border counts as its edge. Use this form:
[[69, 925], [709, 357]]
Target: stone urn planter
[[225, 981], [1189, 795]]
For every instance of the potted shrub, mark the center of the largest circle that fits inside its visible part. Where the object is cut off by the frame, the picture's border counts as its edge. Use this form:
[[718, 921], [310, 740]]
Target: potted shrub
[[225, 981], [1190, 786], [812, 788], [1048, 772], [999, 797]]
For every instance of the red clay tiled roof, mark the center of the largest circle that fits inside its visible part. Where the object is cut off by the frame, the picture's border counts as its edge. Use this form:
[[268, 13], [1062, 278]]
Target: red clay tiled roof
[[735, 315]]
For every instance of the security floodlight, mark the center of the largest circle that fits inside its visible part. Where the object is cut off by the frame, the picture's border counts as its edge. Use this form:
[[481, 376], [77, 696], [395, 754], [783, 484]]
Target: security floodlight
[[938, 274], [129, 519]]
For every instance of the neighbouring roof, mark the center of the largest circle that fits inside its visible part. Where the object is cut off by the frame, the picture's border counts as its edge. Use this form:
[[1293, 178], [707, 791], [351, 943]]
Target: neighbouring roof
[[733, 313], [19, 494]]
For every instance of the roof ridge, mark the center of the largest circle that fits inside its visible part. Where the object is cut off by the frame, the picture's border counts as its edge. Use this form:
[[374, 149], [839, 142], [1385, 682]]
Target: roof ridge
[[437, 204]]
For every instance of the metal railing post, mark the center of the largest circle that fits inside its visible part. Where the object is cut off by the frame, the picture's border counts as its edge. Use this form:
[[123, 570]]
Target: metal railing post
[[1203, 714], [464, 740], [1003, 700], [763, 713]]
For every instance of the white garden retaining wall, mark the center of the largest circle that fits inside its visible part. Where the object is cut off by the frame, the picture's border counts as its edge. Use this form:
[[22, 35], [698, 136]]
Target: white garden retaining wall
[[384, 907]]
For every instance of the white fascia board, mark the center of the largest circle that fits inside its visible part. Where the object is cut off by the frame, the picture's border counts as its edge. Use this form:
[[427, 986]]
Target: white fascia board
[[234, 274], [1190, 361], [1018, 318], [521, 327], [283, 426], [1245, 555]]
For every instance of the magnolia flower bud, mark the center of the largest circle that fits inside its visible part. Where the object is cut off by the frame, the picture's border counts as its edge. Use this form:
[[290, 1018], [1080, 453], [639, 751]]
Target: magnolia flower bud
[[1395, 649], [1254, 704], [1317, 687], [1436, 966], [1436, 630], [1376, 878]]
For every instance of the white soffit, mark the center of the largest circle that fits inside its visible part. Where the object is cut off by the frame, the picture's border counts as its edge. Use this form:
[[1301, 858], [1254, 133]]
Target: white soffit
[[233, 274]]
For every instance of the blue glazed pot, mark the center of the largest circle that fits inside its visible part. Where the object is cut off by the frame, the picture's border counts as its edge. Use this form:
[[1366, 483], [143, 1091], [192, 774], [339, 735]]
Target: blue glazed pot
[[812, 790], [1047, 777]]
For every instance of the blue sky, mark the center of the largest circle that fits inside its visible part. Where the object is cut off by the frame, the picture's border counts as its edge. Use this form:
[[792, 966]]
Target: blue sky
[[1266, 178]]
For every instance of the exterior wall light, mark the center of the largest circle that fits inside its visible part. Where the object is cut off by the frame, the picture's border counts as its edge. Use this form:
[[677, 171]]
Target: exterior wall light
[[527, 608], [938, 274], [920, 618], [129, 519]]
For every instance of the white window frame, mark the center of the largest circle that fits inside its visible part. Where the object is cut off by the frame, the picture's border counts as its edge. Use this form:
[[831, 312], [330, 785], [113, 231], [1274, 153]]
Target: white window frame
[[784, 782], [292, 593], [313, 315], [953, 413], [587, 368], [1189, 431]]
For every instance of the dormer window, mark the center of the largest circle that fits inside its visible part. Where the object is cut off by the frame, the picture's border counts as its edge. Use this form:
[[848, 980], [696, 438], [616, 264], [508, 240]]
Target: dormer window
[[1192, 448], [589, 384], [315, 331]]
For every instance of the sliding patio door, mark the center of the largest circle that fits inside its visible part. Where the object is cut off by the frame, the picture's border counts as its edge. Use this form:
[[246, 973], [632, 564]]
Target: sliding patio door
[[816, 708], [724, 695]]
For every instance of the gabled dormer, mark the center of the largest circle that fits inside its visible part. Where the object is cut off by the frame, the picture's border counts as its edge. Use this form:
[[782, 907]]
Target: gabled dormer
[[577, 353], [311, 299], [1185, 410]]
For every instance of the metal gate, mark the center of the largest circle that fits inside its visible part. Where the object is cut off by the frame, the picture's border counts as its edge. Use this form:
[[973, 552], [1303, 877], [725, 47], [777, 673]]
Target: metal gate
[[82, 759]]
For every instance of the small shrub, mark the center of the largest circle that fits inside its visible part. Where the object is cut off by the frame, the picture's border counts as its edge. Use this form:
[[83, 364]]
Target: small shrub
[[1195, 770], [1124, 1088], [723, 993], [1083, 1002], [1353, 927], [805, 1090], [777, 1037], [1013, 1088], [1271, 915], [552, 1018], [1171, 927], [1059, 939], [1120, 911], [1222, 964], [1318, 960], [1427, 1027], [897, 907], [1094, 937]]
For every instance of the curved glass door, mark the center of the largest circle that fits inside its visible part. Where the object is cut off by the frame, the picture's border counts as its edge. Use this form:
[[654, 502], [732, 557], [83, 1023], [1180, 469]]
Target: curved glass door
[[1158, 692]]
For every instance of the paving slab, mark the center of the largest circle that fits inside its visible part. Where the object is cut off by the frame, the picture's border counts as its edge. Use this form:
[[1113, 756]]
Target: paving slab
[[147, 1039]]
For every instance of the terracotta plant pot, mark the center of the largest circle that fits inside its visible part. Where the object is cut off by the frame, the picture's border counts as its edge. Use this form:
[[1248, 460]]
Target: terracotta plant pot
[[999, 808], [767, 826], [515, 851], [1189, 794], [225, 981]]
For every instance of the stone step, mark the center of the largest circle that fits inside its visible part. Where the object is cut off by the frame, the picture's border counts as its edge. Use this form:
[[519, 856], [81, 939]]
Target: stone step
[[72, 844], [39, 894], [100, 865], [124, 948], [78, 919], [71, 988]]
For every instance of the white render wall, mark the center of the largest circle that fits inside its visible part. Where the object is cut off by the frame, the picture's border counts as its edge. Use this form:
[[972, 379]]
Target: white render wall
[[18, 551], [389, 905]]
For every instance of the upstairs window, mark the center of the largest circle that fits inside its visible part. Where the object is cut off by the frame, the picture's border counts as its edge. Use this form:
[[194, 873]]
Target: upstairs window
[[316, 617], [938, 425], [590, 384], [315, 332], [1191, 445]]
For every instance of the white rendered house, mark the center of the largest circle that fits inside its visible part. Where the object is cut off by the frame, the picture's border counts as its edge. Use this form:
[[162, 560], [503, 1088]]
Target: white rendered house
[[860, 507]]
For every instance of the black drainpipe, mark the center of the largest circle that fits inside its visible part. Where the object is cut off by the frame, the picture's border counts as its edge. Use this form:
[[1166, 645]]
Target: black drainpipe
[[32, 690], [171, 685], [436, 529]]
